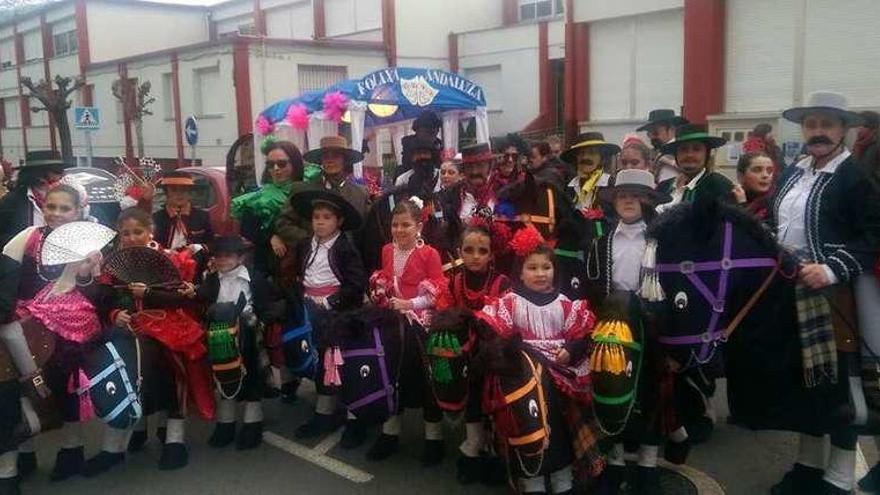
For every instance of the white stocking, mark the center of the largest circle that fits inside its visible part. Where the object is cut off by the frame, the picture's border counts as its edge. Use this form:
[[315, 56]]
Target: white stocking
[[115, 441], [561, 481], [253, 412], [72, 434], [226, 409], [176, 430], [391, 426], [13, 336], [8, 465], [473, 439], [841, 469], [433, 430], [811, 451]]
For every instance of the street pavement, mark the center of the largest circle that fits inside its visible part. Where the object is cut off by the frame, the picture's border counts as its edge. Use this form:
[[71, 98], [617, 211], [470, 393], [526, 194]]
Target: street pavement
[[735, 461]]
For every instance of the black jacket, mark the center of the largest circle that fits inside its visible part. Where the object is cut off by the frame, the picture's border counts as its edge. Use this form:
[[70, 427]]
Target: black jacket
[[711, 185], [198, 226], [16, 214], [345, 261], [843, 218], [269, 305]]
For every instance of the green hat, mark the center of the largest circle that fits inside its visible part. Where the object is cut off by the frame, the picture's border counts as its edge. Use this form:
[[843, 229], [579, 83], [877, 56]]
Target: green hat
[[692, 132]]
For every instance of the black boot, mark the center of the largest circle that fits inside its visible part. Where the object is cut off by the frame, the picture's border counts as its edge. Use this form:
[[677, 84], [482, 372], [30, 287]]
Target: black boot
[[9, 486], [799, 481], [468, 469], [68, 463], [27, 464], [432, 453], [385, 447], [174, 456], [102, 463], [677, 452], [288, 392], [354, 435], [250, 436], [320, 424], [612, 478], [700, 430], [223, 435], [870, 483], [137, 441], [160, 433], [648, 481], [494, 471]]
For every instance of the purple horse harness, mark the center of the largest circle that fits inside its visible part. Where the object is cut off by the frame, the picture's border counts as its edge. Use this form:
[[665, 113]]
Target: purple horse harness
[[690, 269], [387, 390]]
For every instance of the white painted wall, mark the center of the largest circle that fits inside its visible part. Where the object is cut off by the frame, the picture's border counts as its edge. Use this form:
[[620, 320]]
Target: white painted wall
[[594, 10], [292, 21], [126, 29]]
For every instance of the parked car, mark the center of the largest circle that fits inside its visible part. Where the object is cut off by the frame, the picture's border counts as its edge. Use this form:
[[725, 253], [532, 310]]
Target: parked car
[[211, 194]]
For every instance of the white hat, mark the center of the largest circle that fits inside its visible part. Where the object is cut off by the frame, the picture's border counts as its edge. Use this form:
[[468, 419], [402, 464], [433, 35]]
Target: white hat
[[826, 102]]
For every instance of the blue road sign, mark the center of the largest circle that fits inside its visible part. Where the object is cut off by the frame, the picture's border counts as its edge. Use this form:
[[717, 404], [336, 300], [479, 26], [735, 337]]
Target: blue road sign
[[86, 118], [191, 130]]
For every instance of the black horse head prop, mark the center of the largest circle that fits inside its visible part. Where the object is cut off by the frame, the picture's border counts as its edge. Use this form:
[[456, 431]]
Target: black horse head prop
[[224, 345], [453, 340]]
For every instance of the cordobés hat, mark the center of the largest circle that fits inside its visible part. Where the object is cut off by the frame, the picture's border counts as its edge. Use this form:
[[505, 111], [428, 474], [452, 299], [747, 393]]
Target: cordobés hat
[[587, 140], [304, 202], [476, 153], [662, 116], [44, 158], [177, 179], [635, 180], [826, 102], [337, 143], [692, 132], [228, 244]]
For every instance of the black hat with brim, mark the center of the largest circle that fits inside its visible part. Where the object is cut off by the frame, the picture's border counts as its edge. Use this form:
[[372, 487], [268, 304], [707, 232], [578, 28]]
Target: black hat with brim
[[44, 159], [664, 116], [228, 244], [351, 156], [589, 140], [689, 133], [304, 202]]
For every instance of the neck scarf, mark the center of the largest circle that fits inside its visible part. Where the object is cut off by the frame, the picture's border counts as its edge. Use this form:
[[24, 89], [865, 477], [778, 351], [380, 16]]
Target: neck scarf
[[535, 297], [585, 194]]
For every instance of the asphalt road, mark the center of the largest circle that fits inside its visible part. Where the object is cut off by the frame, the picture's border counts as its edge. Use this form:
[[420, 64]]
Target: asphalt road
[[735, 461]]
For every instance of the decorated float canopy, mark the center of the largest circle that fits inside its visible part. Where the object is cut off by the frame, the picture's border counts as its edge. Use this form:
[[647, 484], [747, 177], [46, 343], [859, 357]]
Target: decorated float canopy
[[385, 99]]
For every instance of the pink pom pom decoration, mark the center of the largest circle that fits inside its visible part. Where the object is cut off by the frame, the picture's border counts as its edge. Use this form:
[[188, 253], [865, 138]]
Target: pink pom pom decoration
[[298, 117], [335, 105], [264, 127]]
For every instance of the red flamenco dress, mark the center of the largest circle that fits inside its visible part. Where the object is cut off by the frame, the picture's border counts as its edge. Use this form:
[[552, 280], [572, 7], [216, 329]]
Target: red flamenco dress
[[475, 290]]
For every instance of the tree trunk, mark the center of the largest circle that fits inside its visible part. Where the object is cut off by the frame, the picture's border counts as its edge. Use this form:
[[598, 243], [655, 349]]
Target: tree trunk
[[139, 134], [64, 135]]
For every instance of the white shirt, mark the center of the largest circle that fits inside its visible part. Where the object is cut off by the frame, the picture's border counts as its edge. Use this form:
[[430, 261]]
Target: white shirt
[[469, 206], [403, 179], [628, 247], [233, 283], [575, 185], [678, 192], [319, 274], [666, 168], [792, 230], [37, 217]]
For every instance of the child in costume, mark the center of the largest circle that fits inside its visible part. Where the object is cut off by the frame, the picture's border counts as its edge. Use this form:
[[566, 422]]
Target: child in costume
[[166, 317], [558, 329], [476, 285], [410, 282], [228, 281], [60, 299], [331, 277]]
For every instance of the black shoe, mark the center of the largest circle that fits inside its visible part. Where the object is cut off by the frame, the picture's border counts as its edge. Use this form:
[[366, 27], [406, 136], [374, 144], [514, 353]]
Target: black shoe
[[320, 424], [870, 483], [611, 479], [494, 471], [432, 453], [288, 392], [799, 481], [68, 463], [27, 464], [468, 469], [223, 435], [137, 441], [270, 392], [102, 463], [700, 430], [354, 435], [385, 447], [648, 481], [160, 433], [250, 436], [676, 452], [174, 456], [827, 488], [9, 486]]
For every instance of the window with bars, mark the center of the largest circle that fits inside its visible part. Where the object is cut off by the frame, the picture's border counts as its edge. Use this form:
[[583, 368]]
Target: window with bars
[[312, 77], [65, 43], [539, 9]]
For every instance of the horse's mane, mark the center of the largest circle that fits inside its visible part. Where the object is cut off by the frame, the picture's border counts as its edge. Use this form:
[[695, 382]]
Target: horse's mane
[[704, 216], [357, 323]]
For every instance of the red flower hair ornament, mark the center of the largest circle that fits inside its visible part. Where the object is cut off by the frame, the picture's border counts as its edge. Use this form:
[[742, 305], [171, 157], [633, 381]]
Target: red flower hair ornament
[[526, 241], [500, 233]]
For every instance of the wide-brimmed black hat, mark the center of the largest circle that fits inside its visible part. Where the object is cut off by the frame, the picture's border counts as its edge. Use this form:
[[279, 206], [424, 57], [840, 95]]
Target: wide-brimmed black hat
[[825, 102], [662, 116], [692, 132], [427, 120], [637, 181], [476, 153], [44, 159], [417, 142], [589, 140], [304, 202], [335, 143], [228, 244]]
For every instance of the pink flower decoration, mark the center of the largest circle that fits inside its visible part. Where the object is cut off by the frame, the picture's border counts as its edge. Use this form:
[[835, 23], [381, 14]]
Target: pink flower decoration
[[298, 117], [593, 213], [264, 127], [335, 105]]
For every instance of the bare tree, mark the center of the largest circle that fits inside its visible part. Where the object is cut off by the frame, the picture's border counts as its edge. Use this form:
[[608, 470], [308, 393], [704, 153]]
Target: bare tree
[[55, 101], [136, 100]]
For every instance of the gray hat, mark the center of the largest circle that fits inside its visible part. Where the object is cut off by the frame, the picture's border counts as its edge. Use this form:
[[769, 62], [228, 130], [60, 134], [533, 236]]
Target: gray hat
[[634, 180], [826, 102]]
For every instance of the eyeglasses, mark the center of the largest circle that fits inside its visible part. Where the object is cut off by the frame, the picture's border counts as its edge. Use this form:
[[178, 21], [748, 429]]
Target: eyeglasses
[[277, 163]]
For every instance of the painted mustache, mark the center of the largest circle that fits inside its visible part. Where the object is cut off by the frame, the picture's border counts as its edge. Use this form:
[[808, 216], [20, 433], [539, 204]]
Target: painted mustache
[[819, 140]]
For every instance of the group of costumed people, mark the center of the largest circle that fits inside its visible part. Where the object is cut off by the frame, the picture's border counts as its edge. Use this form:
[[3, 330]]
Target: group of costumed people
[[529, 276]]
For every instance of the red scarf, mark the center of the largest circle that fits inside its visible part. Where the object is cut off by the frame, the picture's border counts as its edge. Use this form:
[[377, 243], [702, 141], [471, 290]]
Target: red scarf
[[865, 139], [178, 221]]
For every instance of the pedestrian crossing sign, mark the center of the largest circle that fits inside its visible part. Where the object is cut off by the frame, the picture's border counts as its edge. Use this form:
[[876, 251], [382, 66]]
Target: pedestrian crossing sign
[[86, 118]]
